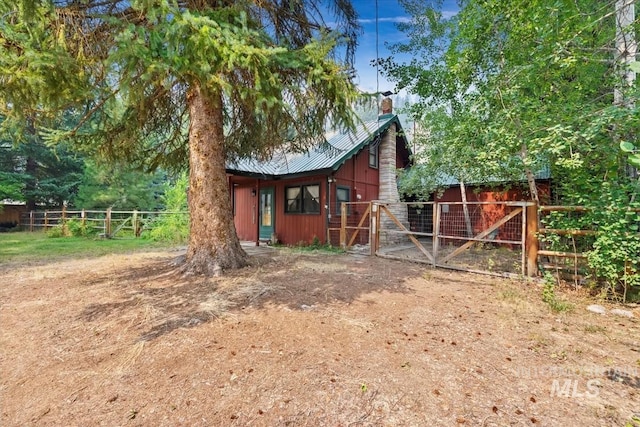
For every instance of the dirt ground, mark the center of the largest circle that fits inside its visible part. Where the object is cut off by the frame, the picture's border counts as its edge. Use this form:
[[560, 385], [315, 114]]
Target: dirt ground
[[303, 339]]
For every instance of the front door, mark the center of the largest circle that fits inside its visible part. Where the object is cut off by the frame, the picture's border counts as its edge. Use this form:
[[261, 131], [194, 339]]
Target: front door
[[267, 211]]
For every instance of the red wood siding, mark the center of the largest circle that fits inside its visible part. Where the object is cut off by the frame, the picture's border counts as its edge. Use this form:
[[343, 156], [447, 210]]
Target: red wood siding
[[363, 181], [290, 228], [293, 228], [245, 212]]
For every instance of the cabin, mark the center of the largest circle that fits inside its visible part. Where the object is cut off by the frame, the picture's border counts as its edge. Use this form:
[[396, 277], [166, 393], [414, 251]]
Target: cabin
[[296, 198]]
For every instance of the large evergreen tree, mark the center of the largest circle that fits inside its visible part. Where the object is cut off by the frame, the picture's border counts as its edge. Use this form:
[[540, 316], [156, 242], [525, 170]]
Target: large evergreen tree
[[37, 174], [238, 78]]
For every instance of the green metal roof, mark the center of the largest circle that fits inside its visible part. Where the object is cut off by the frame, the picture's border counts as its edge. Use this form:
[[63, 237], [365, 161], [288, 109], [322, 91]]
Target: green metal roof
[[330, 155]]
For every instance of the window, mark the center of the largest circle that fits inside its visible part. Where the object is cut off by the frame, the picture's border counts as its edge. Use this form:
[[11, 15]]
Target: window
[[373, 156], [343, 194], [302, 199]]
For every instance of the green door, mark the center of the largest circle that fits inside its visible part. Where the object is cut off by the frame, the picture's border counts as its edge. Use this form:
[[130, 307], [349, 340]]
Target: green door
[[267, 211]]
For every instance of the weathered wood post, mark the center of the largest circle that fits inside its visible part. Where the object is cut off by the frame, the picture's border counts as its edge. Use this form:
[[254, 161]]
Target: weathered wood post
[[83, 217], [134, 223], [531, 243], [46, 220], [31, 219], [107, 223], [373, 228], [436, 231], [343, 226]]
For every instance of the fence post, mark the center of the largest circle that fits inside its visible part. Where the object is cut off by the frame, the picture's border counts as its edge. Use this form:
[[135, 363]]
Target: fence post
[[107, 223], [31, 221], [436, 231], [64, 214], [373, 228], [46, 220], [134, 223], [531, 243], [83, 218], [343, 226]]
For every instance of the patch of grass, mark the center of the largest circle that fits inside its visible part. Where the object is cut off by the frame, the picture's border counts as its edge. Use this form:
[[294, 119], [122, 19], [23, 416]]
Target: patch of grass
[[595, 329], [26, 246], [549, 295], [317, 247]]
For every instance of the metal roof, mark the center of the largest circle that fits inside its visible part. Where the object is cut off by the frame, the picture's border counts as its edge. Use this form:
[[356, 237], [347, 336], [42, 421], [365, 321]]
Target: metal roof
[[330, 155]]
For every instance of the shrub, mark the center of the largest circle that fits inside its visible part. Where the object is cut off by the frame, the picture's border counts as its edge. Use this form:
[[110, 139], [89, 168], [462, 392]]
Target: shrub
[[173, 227], [77, 228], [58, 231]]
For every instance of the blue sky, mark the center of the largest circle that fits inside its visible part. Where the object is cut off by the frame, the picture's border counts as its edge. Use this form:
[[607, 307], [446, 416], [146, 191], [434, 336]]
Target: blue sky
[[389, 13]]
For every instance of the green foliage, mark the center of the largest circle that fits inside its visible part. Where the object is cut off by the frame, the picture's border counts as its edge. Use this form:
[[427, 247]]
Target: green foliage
[[68, 228], [632, 152], [35, 173], [77, 228], [549, 295], [58, 231], [119, 186], [126, 77], [317, 246], [173, 225], [507, 88]]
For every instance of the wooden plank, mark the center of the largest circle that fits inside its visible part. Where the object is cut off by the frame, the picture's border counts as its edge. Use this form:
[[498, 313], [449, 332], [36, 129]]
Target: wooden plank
[[375, 224], [562, 254], [482, 234], [531, 240], [411, 237], [364, 216], [565, 232], [563, 208], [343, 226], [436, 232]]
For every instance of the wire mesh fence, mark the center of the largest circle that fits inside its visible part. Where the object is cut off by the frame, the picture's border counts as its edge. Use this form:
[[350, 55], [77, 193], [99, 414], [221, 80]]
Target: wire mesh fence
[[474, 236], [352, 227]]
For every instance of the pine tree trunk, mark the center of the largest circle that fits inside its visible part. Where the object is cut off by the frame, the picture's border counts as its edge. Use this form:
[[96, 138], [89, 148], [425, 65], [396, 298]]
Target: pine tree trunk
[[213, 242]]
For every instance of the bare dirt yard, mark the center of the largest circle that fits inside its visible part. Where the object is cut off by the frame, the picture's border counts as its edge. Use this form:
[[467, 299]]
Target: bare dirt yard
[[302, 339]]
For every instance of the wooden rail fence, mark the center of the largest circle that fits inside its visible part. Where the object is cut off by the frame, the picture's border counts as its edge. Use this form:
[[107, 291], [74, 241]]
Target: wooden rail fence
[[537, 254], [106, 223]]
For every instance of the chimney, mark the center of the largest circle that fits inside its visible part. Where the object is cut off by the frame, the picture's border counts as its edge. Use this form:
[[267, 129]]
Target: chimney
[[387, 107], [388, 182]]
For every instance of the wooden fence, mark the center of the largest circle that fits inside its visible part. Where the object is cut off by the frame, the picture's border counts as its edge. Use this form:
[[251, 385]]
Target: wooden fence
[[105, 223], [563, 250], [542, 248]]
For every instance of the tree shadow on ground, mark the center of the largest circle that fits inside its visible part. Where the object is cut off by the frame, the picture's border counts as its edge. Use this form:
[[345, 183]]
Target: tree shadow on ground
[[294, 281]]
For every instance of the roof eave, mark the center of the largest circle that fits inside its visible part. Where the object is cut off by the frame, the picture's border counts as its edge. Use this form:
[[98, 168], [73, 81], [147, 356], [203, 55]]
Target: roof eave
[[355, 150]]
